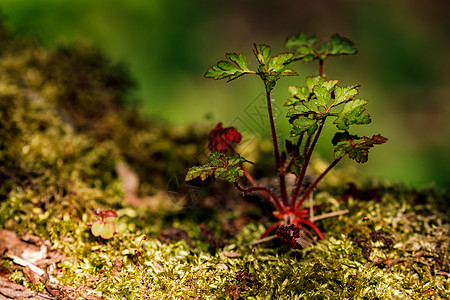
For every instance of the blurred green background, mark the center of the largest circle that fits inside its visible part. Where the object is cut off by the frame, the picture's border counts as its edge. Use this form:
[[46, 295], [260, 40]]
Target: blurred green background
[[402, 65]]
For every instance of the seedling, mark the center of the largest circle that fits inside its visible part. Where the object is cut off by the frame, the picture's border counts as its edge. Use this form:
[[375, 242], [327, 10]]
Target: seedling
[[104, 228], [375, 236], [138, 253], [310, 106]]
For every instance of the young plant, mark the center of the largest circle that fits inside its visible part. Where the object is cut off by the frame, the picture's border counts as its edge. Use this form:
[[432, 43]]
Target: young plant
[[375, 236], [310, 106], [104, 228]]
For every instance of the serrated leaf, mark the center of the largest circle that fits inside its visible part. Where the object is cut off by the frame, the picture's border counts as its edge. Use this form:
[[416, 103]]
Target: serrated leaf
[[263, 54], [323, 95], [312, 81], [352, 113], [239, 59], [227, 70], [291, 101], [303, 124], [298, 94], [306, 49], [301, 40], [272, 68], [277, 63], [340, 136], [288, 72], [296, 165], [303, 45], [341, 46], [330, 84], [344, 94], [222, 70], [302, 108], [357, 148], [220, 166], [324, 49]]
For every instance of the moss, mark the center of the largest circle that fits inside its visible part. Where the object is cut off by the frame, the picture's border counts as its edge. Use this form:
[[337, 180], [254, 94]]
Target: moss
[[19, 277]]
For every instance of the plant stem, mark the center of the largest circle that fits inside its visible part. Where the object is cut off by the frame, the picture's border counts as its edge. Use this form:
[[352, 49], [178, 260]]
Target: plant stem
[[253, 182], [278, 162], [329, 215], [248, 175], [314, 227], [306, 146], [276, 201], [262, 240], [301, 177], [272, 227], [314, 184], [321, 67]]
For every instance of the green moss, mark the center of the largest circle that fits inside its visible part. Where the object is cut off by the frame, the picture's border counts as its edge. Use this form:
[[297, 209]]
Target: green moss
[[19, 277]]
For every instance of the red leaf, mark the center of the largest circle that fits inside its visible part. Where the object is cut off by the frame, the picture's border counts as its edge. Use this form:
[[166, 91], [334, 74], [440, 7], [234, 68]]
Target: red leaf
[[109, 213], [220, 138]]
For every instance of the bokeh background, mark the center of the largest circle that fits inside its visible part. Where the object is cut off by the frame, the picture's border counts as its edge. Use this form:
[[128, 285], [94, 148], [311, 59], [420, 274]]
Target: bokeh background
[[402, 65]]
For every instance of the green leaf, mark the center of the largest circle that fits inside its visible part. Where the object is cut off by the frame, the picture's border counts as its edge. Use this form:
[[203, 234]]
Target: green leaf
[[97, 228], [263, 54], [288, 72], [352, 113], [312, 81], [307, 49], [272, 68], [303, 108], [344, 94], [330, 84], [102, 229], [239, 59], [108, 231], [297, 93], [301, 40], [309, 104], [341, 136], [342, 46], [323, 95], [302, 124], [227, 70], [278, 63], [303, 45], [296, 165], [220, 166], [323, 50], [357, 148]]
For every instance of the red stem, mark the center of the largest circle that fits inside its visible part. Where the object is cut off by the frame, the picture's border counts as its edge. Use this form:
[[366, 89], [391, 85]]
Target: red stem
[[314, 227], [321, 67], [248, 175], [253, 182], [278, 161], [271, 227], [307, 144], [276, 201], [301, 177], [315, 183]]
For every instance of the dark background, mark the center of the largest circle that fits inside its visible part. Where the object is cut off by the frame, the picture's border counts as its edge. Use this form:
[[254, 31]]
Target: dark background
[[402, 65]]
